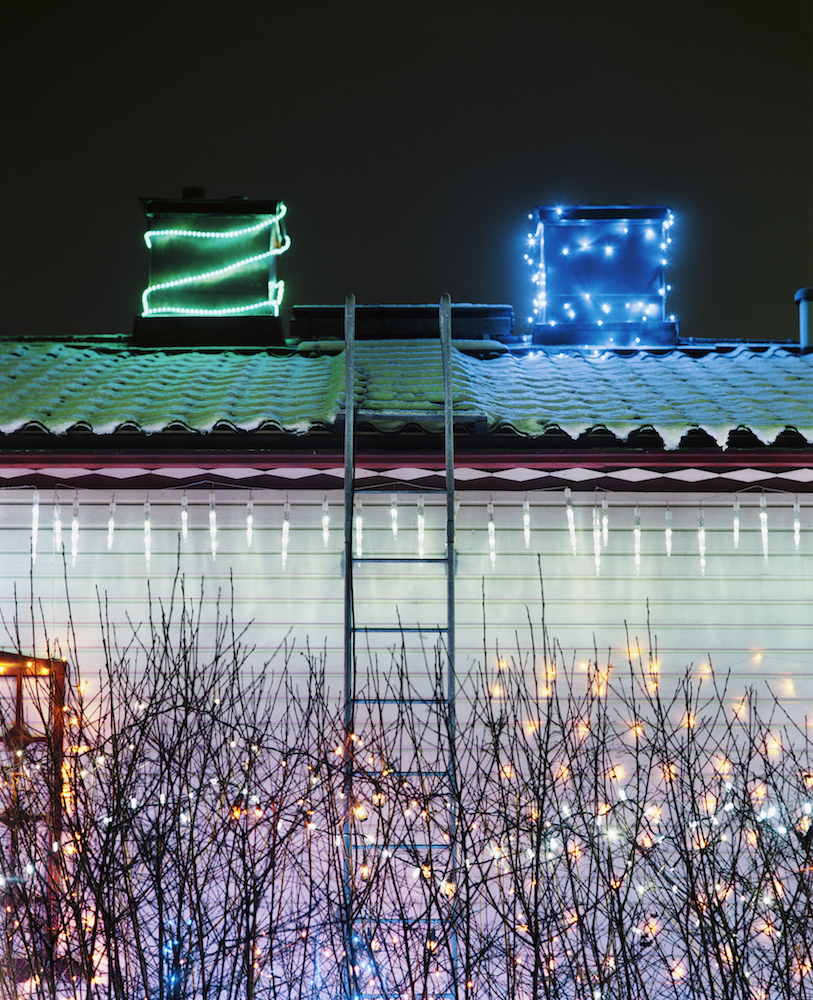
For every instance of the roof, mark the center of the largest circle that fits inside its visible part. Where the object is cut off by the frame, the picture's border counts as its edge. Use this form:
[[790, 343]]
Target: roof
[[538, 399]]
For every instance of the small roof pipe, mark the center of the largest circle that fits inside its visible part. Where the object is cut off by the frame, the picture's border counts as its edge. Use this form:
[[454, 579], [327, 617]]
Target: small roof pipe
[[804, 297]]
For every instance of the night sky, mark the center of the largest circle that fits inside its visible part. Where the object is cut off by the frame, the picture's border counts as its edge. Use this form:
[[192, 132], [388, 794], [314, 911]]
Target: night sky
[[409, 142]]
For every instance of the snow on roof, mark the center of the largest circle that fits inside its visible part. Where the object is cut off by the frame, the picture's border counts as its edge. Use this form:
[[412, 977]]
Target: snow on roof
[[58, 387]]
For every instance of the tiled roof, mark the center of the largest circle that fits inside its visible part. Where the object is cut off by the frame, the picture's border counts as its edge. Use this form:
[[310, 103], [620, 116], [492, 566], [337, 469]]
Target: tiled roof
[[58, 387]]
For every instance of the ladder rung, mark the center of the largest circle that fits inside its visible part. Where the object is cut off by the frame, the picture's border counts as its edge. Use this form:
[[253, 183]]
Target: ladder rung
[[398, 559], [398, 628]]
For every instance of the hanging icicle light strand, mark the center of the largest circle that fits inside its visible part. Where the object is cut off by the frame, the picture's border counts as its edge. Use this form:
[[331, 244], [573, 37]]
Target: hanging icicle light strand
[[421, 526], [359, 526], [249, 519], [605, 521], [286, 532], [75, 530], [111, 523], [57, 525], [763, 524], [636, 532], [597, 537], [394, 515], [668, 532], [147, 534], [325, 522], [701, 540], [797, 524], [526, 522], [492, 537], [184, 516], [736, 522], [35, 524], [213, 524], [571, 520]]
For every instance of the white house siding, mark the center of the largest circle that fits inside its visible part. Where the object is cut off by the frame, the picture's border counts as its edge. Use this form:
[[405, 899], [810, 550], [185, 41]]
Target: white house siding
[[745, 615]]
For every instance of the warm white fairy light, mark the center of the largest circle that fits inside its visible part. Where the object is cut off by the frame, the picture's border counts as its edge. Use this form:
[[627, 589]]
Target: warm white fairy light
[[597, 537], [286, 531], [394, 516], [111, 524], [797, 524], [421, 527], [184, 517], [35, 524], [359, 526], [325, 522], [57, 526], [147, 535], [605, 521], [75, 530], [571, 520], [736, 522], [701, 540], [213, 524], [249, 520], [526, 522], [636, 532], [763, 524], [492, 537], [668, 532]]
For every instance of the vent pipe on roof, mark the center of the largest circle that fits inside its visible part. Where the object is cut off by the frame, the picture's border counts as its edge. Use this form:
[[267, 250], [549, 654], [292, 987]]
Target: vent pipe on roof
[[804, 297]]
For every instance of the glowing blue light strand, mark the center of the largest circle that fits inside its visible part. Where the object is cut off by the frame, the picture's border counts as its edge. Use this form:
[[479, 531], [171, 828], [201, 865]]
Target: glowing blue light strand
[[35, 524]]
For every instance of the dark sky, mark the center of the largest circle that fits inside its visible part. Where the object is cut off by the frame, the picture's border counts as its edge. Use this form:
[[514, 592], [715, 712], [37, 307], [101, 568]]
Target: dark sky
[[409, 142]]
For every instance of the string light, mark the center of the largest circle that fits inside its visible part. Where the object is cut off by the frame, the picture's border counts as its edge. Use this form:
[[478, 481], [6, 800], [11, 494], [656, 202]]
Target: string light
[[492, 537], [736, 522], [286, 531], [184, 516], [605, 521], [668, 532], [228, 234], [35, 524], [249, 519], [526, 522], [701, 540], [325, 522], [213, 524], [763, 524], [571, 520], [75, 530], [797, 525], [111, 523], [597, 537], [57, 525], [421, 526], [636, 531], [147, 534], [359, 526], [394, 516]]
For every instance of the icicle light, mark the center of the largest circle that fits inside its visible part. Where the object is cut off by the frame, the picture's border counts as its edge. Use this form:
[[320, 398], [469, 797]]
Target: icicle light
[[35, 524], [213, 524], [636, 532], [763, 524], [184, 517], [325, 522], [597, 537], [286, 531], [701, 540], [736, 523], [797, 525], [57, 526], [421, 527], [571, 520], [147, 535], [249, 520], [605, 521], [526, 522], [668, 532], [75, 530], [394, 515], [359, 526], [111, 524], [492, 537]]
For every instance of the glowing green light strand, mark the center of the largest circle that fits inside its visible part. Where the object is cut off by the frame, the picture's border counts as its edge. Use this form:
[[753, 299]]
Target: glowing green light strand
[[275, 303], [229, 234]]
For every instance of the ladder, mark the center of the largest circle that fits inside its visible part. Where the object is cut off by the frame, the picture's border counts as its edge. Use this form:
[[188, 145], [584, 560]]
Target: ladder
[[444, 691]]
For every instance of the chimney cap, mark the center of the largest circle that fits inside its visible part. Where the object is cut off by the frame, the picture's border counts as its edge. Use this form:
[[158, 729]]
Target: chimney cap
[[804, 294]]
